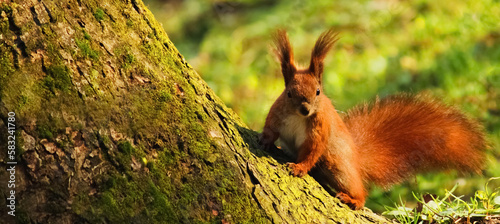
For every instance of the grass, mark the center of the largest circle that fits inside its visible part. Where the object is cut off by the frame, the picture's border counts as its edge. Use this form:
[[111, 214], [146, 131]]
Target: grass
[[484, 205]]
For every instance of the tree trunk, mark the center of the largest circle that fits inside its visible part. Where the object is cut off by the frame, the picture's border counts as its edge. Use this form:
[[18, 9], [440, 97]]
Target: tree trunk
[[113, 126]]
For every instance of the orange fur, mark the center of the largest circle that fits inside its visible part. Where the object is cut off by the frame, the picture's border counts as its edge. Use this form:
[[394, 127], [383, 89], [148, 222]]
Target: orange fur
[[382, 143], [407, 134]]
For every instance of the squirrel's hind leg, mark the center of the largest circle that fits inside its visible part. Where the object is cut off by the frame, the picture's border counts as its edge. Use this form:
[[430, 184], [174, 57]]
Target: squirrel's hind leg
[[346, 185]]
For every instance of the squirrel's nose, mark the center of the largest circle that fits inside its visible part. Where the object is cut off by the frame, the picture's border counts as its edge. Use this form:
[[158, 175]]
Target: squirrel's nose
[[304, 111]]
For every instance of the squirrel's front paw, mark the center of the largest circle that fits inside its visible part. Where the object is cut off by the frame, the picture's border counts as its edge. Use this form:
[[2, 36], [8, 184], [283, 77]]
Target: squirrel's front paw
[[297, 169]]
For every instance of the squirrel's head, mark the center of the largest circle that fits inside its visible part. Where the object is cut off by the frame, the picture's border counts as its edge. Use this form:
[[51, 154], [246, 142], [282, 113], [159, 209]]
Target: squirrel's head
[[303, 86]]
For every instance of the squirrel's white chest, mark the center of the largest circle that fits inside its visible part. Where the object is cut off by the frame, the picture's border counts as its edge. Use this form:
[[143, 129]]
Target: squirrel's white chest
[[293, 133]]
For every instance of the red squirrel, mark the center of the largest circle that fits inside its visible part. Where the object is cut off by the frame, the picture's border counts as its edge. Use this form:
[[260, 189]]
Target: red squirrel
[[381, 143]]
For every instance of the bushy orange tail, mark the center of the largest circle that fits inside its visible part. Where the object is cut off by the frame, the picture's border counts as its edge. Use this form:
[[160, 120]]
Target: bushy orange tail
[[401, 135]]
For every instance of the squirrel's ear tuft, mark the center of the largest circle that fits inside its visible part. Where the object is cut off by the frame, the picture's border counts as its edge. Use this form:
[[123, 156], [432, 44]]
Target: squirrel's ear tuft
[[284, 53], [324, 43]]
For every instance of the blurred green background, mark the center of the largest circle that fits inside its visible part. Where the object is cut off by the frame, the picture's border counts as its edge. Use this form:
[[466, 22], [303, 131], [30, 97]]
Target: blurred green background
[[450, 49]]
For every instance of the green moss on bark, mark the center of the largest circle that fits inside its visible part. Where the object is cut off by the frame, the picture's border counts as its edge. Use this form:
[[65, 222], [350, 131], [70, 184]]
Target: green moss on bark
[[99, 14], [58, 78], [86, 50], [6, 62]]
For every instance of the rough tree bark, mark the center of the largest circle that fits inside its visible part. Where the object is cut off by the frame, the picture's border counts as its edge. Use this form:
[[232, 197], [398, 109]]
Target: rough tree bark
[[113, 126]]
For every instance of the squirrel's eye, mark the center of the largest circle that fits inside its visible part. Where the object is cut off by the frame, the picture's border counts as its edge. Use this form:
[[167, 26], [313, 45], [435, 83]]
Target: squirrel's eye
[[289, 95], [317, 92]]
